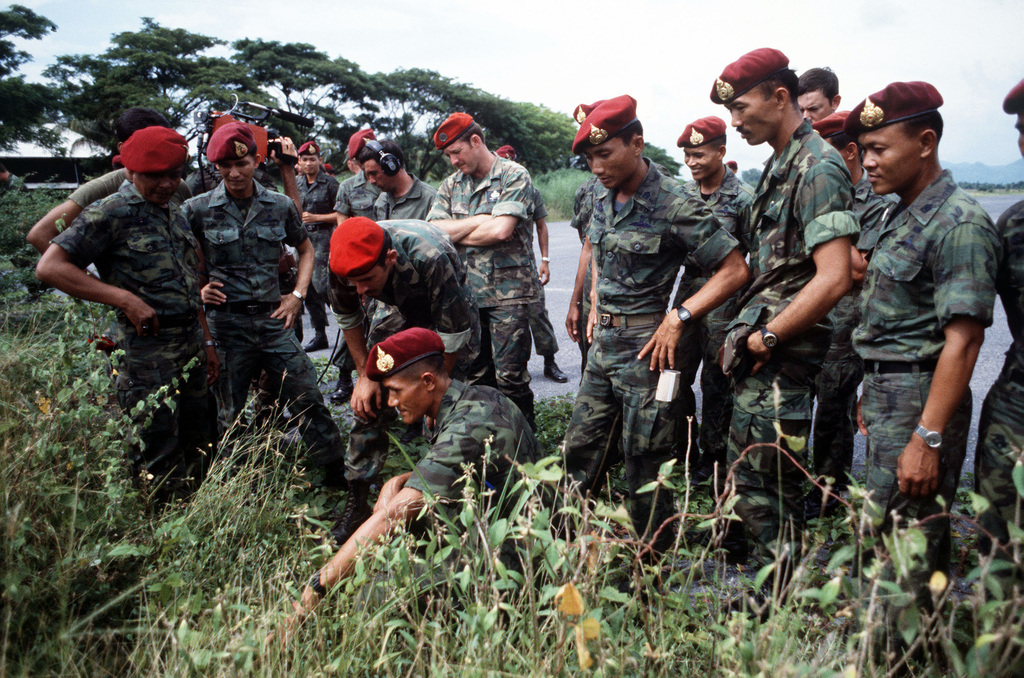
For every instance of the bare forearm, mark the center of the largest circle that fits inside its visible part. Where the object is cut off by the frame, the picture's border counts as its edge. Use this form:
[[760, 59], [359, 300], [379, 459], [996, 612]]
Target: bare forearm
[[952, 378], [731, 275], [831, 281], [542, 237], [457, 229], [492, 232], [56, 270], [45, 230], [305, 272], [355, 339], [581, 273]]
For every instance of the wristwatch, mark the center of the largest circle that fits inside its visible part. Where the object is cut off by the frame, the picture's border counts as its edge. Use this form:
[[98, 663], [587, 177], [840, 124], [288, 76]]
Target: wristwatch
[[298, 296], [769, 338], [314, 583], [931, 438], [683, 314]]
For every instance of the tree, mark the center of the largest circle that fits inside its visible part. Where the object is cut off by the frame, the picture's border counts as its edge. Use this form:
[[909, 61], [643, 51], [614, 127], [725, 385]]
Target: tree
[[661, 156], [751, 176], [23, 105]]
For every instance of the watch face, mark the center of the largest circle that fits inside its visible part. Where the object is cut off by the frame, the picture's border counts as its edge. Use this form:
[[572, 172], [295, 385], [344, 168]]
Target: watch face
[[769, 339], [933, 439]]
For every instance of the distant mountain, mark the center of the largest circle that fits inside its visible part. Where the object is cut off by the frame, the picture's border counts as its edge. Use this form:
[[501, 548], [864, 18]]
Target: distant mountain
[[976, 172]]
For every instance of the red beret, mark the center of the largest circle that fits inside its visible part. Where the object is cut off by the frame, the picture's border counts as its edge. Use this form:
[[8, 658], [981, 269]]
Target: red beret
[[450, 129], [1014, 101], [506, 152], [309, 148], [328, 168], [831, 125], [357, 141], [401, 350], [749, 70], [701, 132], [230, 142], [731, 164], [154, 149], [898, 101], [602, 120], [355, 246], [583, 110]]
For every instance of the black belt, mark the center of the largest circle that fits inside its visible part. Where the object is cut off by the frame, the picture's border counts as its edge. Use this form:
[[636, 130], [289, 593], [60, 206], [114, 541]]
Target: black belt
[[248, 307], [319, 226], [898, 366], [171, 321], [627, 321]]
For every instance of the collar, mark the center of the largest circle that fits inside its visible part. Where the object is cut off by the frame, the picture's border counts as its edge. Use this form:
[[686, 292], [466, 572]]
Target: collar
[[793, 146], [932, 197], [219, 195], [453, 395]]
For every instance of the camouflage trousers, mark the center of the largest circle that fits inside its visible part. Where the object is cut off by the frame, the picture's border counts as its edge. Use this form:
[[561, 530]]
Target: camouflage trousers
[[540, 325], [1000, 445], [248, 344], [769, 484], [835, 421], [176, 436], [505, 354], [688, 357], [316, 294], [616, 418], [891, 406]]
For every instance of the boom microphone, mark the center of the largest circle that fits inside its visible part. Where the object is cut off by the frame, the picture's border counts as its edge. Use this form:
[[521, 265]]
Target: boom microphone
[[287, 116]]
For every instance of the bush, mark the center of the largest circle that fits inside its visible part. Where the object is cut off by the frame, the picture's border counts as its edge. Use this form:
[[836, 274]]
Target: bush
[[19, 211], [558, 189]]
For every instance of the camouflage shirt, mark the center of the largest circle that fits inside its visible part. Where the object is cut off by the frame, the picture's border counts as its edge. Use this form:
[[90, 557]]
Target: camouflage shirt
[[139, 247], [413, 205], [640, 248], [101, 187], [242, 251], [501, 274], [427, 286], [583, 204], [320, 196], [935, 260], [356, 196], [472, 419], [802, 200], [870, 209], [727, 204], [1010, 285]]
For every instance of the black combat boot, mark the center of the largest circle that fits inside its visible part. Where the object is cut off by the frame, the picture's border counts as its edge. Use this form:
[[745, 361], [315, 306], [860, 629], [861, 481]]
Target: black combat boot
[[357, 510], [318, 342], [343, 389], [525, 405], [552, 372]]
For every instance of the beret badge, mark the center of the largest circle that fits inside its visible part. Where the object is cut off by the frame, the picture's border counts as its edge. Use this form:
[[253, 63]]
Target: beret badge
[[597, 135], [696, 138], [442, 137], [872, 115], [724, 89], [240, 149], [580, 115], [384, 362]]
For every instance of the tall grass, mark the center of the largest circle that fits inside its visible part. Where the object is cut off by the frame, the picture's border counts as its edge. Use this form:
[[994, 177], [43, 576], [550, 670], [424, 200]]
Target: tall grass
[[558, 189], [96, 581]]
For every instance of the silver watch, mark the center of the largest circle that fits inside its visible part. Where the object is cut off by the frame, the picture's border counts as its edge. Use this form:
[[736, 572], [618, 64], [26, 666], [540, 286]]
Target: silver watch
[[769, 338], [931, 438], [298, 295], [683, 314]]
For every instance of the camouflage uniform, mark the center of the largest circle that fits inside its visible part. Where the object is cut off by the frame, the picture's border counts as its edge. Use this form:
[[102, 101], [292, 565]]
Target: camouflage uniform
[[1001, 431], [638, 251], [543, 331], [356, 197], [151, 252], [835, 420], [582, 211], [427, 288], [935, 260], [702, 339], [413, 205], [502, 276], [801, 201], [11, 183], [242, 253], [319, 198]]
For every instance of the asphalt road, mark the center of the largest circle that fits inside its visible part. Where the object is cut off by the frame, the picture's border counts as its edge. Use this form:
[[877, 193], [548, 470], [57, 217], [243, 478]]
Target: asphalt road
[[564, 252]]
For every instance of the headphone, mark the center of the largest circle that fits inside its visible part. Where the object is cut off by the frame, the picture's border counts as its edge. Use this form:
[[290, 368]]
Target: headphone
[[389, 163]]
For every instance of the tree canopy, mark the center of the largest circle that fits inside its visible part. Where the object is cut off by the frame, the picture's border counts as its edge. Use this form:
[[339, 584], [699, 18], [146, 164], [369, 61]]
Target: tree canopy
[[23, 105]]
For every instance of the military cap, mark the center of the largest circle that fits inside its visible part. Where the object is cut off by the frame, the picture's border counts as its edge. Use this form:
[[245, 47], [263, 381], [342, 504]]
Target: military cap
[[357, 141], [355, 246], [602, 120], [451, 128], [700, 132], [831, 125], [309, 148], [230, 142], [400, 350], [154, 149], [732, 164], [1014, 101], [749, 70], [506, 152], [897, 102], [328, 168]]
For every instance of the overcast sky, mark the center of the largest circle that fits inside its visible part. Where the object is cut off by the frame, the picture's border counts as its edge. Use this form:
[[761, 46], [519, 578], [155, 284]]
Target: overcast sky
[[666, 54]]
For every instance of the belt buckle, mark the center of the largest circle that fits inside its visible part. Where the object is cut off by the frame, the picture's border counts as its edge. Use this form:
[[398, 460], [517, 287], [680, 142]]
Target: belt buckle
[[253, 308], [312, 228], [605, 319]]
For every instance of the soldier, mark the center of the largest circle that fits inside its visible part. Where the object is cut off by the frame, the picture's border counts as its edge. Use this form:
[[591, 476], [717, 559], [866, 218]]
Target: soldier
[[242, 228], [8, 181], [643, 226], [411, 276], [473, 425], [818, 93], [485, 208], [1001, 431], [835, 419], [703, 144], [928, 298], [800, 258], [540, 324], [319, 192], [579, 302], [149, 263], [402, 195]]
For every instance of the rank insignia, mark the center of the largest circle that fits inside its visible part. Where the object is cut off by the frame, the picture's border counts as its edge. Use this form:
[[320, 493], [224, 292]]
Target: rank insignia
[[724, 89], [385, 363], [597, 135], [696, 138], [872, 115]]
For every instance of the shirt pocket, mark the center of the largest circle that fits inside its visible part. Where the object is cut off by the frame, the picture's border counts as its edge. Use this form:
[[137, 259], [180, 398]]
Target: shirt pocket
[[633, 256], [268, 242], [778, 244], [362, 202], [151, 260], [225, 246], [896, 295]]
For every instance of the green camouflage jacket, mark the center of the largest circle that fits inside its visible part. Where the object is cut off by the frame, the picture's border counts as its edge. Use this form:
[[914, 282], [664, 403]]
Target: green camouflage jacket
[[139, 247], [413, 205], [1010, 285], [320, 196], [727, 204], [935, 260], [242, 251], [583, 204], [356, 196], [502, 274], [802, 200]]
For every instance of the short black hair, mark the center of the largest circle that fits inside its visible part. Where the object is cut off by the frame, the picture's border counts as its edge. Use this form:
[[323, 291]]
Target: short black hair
[[136, 118], [388, 145], [784, 78], [841, 140], [822, 80], [633, 129], [931, 120]]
